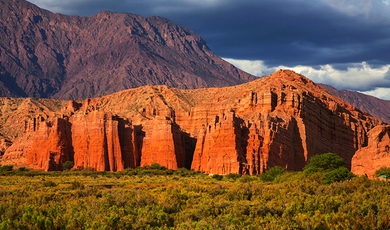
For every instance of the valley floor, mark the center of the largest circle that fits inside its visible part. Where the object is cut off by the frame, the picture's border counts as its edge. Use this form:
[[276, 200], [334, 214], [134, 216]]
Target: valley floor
[[183, 199]]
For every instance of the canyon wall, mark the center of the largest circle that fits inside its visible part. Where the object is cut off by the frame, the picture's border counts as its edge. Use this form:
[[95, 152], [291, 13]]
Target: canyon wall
[[283, 119]]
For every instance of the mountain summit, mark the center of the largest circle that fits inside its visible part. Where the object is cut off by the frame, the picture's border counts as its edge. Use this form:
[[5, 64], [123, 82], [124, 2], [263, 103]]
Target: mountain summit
[[43, 54]]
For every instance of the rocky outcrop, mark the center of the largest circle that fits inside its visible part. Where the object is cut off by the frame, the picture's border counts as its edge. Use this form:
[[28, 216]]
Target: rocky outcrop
[[97, 142], [375, 155], [166, 144], [43, 54], [219, 148], [282, 119]]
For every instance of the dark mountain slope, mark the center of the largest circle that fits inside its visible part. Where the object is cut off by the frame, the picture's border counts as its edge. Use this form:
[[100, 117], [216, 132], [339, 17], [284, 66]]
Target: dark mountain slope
[[375, 106], [43, 54]]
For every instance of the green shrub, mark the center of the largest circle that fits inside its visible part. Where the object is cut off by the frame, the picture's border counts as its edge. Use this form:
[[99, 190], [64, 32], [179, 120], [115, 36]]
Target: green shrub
[[217, 177], [323, 162], [156, 166], [336, 175], [6, 168], [247, 178], [233, 176], [272, 173], [184, 172], [383, 172], [23, 169], [67, 165], [330, 166]]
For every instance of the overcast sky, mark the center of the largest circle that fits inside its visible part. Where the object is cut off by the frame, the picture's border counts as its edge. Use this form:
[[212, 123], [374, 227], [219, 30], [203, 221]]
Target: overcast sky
[[343, 43]]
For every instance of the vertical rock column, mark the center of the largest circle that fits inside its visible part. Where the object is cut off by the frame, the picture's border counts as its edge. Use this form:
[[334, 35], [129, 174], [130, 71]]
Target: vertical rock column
[[218, 149], [51, 144], [159, 146], [97, 142]]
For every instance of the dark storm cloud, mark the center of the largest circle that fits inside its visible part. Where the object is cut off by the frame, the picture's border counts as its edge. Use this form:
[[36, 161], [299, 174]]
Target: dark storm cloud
[[279, 32]]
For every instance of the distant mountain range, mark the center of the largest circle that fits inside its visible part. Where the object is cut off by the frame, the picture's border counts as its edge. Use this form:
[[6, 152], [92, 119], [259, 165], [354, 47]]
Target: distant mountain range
[[49, 55], [375, 106]]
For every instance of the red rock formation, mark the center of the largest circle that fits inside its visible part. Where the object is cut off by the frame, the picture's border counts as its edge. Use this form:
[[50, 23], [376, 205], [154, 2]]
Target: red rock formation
[[375, 155], [16, 154], [51, 145], [164, 143], [282, 119], [218, 149], [102, 142]]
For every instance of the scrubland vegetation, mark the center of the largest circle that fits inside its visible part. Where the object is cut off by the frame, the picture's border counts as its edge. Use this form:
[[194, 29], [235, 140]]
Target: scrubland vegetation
[[319, 197]]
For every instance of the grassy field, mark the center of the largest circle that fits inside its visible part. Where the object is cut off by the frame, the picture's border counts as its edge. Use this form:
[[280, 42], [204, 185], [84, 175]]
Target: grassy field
[[165, 199]]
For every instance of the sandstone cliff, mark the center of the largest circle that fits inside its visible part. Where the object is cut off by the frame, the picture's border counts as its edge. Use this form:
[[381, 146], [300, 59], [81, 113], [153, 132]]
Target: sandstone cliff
[[43, 54], [375, 155], [282, 119]]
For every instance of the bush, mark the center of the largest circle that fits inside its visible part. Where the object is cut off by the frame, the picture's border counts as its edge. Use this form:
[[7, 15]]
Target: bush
[[272, 173], [156, 166], [23, 169], [247, 179], [330, 166], [323, 162], [233, 176], [383, 172], [336, 175], [184, 172], [217, 177], [68, 165], [6, 168]]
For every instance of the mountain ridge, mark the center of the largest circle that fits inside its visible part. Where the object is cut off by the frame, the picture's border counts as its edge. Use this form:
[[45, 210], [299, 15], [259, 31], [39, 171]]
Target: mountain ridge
[[44, 54], [282, 119], [375, 106]]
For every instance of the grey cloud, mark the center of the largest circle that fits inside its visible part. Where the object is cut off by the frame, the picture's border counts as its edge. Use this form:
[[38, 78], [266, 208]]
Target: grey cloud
[[278, 32]]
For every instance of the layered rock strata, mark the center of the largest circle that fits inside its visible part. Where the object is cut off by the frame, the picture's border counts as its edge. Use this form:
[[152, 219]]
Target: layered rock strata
[[282, 119]]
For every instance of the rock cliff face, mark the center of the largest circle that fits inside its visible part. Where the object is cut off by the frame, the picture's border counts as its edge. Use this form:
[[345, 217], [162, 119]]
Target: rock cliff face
[[375, 155], [43, 54], [282, 119]]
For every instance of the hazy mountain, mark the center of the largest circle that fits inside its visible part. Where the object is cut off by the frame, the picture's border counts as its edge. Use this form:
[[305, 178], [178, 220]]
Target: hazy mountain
[[375, 106]]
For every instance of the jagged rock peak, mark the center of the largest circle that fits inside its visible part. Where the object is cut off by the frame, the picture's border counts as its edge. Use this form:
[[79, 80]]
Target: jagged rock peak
[[289, 77]]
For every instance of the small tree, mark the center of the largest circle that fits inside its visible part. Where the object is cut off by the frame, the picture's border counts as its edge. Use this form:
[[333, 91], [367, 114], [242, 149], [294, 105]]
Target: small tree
[[272, 173], [217, 177], [68, 165], [383, 172], [336, 175], [330, 165], [323, 162], [156, 166]]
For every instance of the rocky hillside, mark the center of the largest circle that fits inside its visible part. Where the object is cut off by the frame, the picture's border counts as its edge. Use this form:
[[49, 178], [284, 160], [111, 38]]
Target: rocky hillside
[[375, 106], [47, 55], [282, 119]]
